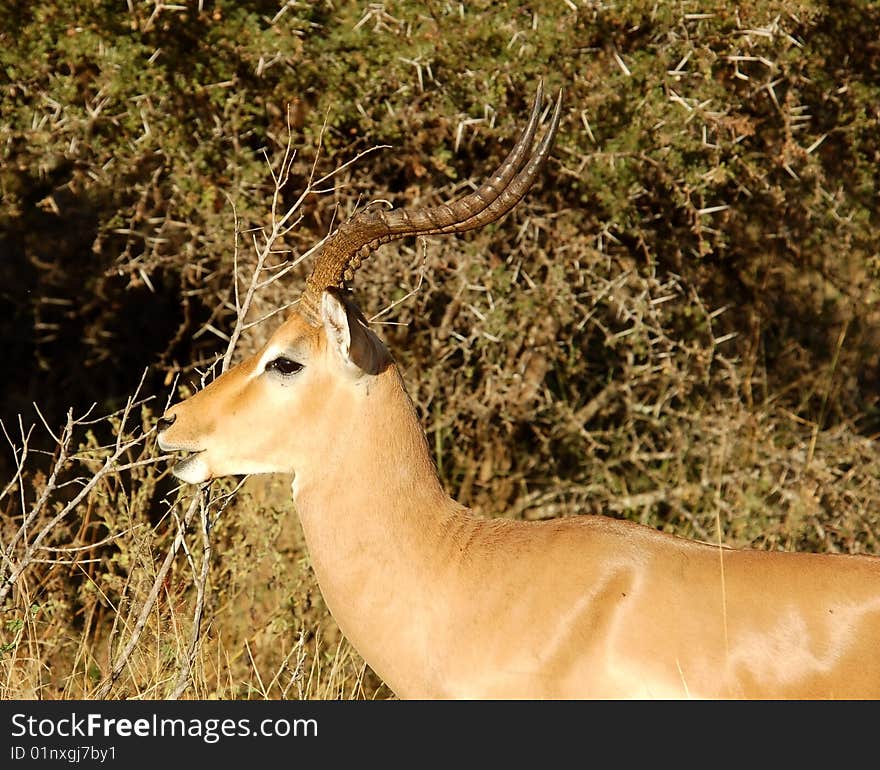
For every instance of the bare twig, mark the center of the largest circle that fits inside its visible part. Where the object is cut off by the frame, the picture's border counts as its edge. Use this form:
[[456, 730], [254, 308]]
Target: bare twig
[[110, 465], [122, 660], [279, 225], [185, 668]]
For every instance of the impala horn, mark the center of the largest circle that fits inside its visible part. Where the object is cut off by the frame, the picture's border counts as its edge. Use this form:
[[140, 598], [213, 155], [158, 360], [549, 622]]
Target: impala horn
[[358, 237]]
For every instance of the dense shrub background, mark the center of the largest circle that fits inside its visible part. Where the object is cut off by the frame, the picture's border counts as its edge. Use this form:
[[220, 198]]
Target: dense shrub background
[[679, 324]]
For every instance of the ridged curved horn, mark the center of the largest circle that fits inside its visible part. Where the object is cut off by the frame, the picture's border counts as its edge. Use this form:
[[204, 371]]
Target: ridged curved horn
[[355, 239]]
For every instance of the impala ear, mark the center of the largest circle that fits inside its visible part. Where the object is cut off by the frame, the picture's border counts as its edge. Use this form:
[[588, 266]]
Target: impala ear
[[349, 334]]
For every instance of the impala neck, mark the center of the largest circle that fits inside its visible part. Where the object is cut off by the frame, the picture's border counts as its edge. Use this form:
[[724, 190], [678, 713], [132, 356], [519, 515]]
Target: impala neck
[[374, 515]]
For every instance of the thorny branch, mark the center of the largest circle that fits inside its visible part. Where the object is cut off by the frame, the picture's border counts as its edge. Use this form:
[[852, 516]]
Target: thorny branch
[[24, 538]]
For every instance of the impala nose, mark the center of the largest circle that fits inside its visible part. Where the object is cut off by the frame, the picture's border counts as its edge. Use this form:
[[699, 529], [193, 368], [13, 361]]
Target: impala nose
[[164, 423]]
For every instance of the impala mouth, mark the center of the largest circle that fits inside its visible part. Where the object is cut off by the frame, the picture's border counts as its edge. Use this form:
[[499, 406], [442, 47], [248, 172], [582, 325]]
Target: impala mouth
[[191, 467]]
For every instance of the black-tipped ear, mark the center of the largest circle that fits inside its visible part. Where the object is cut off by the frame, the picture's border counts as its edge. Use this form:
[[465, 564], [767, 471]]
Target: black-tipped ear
[[348, 332]]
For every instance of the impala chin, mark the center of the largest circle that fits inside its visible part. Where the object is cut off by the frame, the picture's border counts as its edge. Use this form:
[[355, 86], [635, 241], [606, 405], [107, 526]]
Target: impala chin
[[192, 470]]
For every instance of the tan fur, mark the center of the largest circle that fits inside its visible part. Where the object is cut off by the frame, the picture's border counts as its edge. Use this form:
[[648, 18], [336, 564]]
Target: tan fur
[[444, 604]]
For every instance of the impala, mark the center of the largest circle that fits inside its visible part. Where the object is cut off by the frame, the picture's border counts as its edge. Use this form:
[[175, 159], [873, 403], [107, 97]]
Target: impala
[[444, 604]]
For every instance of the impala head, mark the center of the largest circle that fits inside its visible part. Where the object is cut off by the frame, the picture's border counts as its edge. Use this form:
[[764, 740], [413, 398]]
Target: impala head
[[263, 415]]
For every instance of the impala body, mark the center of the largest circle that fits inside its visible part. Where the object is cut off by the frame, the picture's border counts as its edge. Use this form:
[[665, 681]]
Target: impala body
[[444, 604]]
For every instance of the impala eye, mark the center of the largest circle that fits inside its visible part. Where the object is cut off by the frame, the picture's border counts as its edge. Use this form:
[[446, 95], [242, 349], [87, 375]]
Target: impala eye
[[284, 366]]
